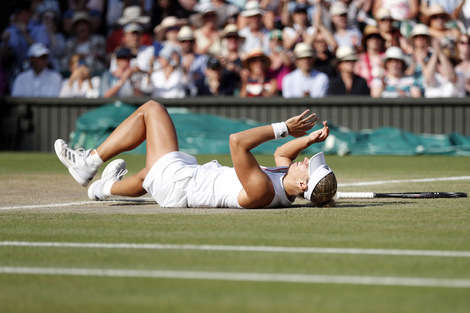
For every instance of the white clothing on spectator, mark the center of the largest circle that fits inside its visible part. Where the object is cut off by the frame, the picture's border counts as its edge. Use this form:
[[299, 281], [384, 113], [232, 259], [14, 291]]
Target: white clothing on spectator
[[296, 85], [85, 91], [443, 88], [46, 84]]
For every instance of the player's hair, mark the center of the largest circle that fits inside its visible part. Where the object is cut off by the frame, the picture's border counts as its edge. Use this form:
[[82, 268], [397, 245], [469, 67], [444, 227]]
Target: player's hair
[[324, 191]]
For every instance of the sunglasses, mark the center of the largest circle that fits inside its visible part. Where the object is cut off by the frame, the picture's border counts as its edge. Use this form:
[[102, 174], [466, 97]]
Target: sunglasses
[[439, 17]]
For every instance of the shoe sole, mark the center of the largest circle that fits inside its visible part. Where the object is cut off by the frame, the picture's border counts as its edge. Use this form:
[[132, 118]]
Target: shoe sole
[[58, 148]]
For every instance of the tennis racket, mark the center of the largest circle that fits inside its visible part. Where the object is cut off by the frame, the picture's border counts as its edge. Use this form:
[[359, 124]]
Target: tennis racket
[[423, 195]]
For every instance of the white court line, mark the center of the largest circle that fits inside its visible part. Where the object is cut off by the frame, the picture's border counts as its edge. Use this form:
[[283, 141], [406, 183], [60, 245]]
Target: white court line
[[157, 246], [52, 205], [58, 205], [252, 277], [371, 183], [421, 180]]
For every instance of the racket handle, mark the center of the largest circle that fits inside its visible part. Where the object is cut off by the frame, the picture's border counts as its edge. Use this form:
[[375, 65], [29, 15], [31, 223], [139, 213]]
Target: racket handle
[[355, 195]]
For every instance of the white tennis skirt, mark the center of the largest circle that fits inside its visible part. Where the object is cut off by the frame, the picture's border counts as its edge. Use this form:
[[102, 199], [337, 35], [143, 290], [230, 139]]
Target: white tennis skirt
[[168, 179]]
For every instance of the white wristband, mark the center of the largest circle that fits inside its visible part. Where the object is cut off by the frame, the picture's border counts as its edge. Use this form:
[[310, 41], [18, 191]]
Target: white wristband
[[280, 130]]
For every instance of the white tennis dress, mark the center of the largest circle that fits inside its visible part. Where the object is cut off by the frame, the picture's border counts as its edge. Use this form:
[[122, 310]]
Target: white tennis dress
[[176, 180]]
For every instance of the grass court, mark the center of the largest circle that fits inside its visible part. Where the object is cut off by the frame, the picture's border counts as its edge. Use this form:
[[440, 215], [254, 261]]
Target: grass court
[[60, 252]]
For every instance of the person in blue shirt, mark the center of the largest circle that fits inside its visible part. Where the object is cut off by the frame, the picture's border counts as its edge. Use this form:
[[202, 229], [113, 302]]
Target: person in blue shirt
[[304, 81]]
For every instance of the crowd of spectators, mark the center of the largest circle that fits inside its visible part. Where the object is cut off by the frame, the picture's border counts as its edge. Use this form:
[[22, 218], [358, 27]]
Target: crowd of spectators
[[241, 48]]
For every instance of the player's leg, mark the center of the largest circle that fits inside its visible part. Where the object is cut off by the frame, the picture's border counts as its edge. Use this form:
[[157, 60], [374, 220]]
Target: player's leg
[[152, 122]]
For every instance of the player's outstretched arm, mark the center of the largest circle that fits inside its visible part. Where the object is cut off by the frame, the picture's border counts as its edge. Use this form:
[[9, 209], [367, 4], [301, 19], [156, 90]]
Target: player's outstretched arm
[[257, 187]]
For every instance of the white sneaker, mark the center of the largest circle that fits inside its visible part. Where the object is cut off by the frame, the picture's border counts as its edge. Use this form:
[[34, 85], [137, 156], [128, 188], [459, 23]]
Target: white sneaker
[[75, 161], [112, 173]]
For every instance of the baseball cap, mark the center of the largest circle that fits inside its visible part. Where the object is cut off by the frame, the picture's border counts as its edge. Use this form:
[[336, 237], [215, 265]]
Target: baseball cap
[[124, 53], [213, 63], [317, 169], [37, 49]]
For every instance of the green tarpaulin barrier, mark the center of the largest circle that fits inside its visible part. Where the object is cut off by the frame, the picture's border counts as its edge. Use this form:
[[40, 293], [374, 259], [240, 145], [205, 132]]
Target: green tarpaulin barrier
[[209, 134]]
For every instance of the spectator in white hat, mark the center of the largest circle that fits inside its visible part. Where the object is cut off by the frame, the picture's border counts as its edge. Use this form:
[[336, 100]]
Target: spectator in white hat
[[208, 34], [304, 81], [346, 82], [395, 83], [230, 57], [132, 39], [192, 63], [255, 33], [344, 34], [39, 80], [389, 32], [421, 41], [130, 15]]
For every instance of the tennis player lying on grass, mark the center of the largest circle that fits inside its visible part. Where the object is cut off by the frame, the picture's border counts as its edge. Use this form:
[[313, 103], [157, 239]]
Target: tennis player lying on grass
[[174, 179]]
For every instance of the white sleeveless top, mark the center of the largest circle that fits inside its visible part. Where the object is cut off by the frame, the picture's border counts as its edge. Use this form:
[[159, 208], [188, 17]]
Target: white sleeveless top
[[214, 185]]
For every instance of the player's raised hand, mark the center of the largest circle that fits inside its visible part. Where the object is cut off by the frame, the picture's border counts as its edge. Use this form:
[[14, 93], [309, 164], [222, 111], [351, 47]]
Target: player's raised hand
[[300, 124], [320, 134]]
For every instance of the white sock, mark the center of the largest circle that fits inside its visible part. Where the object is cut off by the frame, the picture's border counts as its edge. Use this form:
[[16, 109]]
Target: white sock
[[107, 187], [94, 160]]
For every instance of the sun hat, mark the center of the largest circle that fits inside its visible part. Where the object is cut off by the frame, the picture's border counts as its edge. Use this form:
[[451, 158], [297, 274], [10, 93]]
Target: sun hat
[[81, 16], [435, 9], [395, 53], [186, 33], [257, 53], [383, 14], [37, 50], [231, 30], [370, 30], [203, 9], [252, 8], [420, 29], [303, 50], [133, 14], [133, 27], [167, 22], [317, 169], [345, 53], [338, 8]]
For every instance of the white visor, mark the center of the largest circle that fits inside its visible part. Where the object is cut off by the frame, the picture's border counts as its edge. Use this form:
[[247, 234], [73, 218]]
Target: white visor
[[318, 169]]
